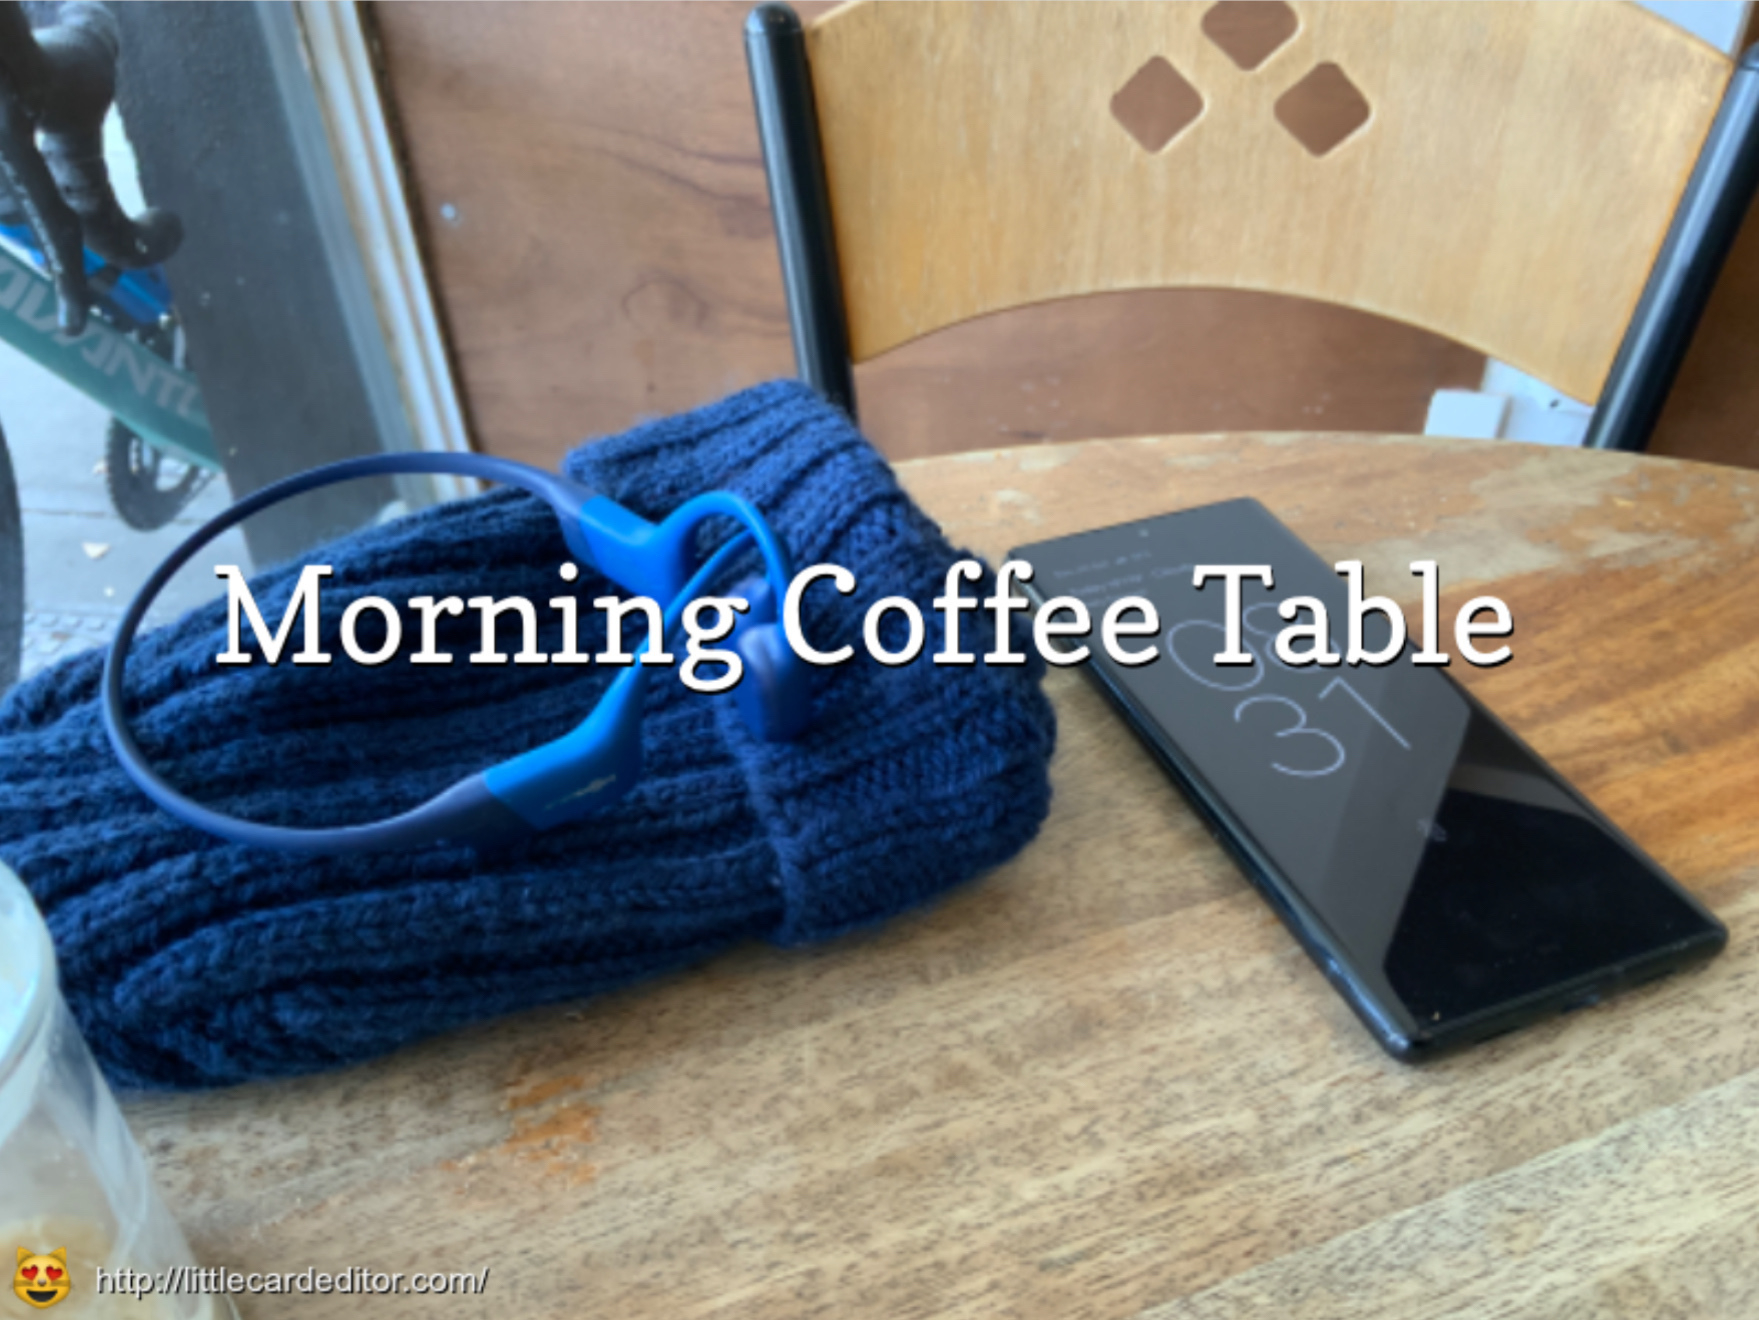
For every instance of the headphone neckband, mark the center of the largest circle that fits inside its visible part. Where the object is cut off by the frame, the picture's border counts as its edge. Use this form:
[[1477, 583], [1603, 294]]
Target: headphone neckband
[[589, 767]]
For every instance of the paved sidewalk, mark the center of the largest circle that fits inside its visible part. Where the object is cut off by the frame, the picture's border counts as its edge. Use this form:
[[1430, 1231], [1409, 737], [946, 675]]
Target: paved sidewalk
[[83, 564]]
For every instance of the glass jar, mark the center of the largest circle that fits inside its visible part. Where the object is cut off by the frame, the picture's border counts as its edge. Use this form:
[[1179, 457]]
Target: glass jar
[[75, 1195]]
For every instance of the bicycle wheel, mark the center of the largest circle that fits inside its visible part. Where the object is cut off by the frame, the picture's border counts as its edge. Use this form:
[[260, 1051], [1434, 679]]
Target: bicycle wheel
[[148, 488], [11, 573]]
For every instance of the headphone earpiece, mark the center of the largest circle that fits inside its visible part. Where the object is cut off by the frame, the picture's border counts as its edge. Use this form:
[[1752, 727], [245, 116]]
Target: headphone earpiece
[[772, 696], [586, 768]]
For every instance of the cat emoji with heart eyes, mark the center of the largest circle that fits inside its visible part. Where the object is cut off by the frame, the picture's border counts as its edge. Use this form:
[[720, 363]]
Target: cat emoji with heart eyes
[[41, 1281]]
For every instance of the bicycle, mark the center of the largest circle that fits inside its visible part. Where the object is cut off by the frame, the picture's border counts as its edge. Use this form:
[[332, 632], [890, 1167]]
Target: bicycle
[[80, 288], [137, 304]]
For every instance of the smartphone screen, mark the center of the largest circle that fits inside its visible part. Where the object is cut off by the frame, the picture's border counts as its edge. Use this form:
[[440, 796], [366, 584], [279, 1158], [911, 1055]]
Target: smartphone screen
[[1449, 882]]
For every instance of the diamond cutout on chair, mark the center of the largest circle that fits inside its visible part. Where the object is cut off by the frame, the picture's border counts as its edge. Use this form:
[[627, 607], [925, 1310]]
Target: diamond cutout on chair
[[1157, 104], [1323, 109], [1249, 32]]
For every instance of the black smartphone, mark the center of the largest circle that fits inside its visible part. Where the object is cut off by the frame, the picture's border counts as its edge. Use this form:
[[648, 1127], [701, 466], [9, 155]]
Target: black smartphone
[[1446, 880]]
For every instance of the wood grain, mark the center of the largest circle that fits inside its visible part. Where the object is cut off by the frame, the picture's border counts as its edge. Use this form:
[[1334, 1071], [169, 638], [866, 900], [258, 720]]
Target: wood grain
[[1155, 361], [1509, 191], [608, 253], [612, 257], [1103, 1082], [571, 141]]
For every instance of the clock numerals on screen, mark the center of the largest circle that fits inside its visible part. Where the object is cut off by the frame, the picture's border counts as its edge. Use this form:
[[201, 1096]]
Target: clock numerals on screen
[[1253, 674]]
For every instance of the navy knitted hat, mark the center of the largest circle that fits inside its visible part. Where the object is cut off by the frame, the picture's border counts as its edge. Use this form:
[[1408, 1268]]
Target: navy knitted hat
[[192, 962]]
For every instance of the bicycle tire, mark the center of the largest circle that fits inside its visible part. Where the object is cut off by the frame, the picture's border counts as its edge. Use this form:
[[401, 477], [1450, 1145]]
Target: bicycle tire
[[131, 473], [11, 573]]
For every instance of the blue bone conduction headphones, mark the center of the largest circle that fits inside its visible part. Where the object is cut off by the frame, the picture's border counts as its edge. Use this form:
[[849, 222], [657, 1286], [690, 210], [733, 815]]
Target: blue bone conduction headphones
[[589, 767]]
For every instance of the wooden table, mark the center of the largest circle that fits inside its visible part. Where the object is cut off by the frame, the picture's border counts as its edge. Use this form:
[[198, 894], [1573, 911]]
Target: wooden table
[[1103, 1081]]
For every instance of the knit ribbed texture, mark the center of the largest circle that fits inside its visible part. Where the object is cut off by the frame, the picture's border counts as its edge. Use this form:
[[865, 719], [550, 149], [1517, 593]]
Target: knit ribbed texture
[[191, 962]]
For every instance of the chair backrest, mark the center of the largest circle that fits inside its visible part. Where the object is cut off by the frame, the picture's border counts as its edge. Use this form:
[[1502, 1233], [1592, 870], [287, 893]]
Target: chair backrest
[[1503, 174]]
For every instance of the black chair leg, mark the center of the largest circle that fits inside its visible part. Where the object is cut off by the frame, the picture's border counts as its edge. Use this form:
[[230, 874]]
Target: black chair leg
[[787, 122], [1704, 226]]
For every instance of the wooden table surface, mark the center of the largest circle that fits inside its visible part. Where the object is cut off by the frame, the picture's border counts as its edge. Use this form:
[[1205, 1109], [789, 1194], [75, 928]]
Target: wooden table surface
[[1103, 1081]]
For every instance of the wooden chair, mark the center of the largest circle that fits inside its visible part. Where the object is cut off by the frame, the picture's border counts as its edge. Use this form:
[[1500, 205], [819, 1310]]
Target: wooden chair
[[1553, 182]]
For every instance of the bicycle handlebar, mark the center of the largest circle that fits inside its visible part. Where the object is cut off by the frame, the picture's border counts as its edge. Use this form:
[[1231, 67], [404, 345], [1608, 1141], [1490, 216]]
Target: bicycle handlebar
[[59, 82]]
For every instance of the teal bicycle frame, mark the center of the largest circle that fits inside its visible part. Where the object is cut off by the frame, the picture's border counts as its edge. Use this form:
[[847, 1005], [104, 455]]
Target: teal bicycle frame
[[159, 402]]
